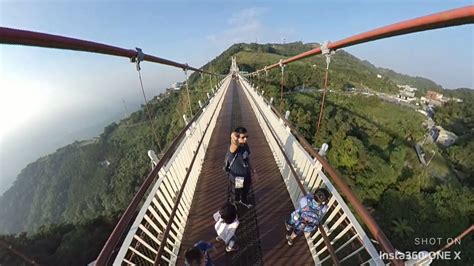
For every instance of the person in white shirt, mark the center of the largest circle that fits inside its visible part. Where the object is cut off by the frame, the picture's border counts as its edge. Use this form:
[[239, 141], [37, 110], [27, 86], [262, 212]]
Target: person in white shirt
[[226, 225]]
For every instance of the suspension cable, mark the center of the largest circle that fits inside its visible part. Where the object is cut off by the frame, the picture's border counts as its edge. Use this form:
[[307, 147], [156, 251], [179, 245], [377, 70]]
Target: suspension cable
[[266, 78], [187, 90], [17, 253], [282, 66], [210, 82], [137, 61], [327, 52]]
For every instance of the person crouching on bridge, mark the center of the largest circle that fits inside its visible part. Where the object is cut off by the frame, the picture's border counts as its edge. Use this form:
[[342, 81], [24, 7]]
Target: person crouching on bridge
[[226, 225], [199, 254], [237, 165], [309, 216]]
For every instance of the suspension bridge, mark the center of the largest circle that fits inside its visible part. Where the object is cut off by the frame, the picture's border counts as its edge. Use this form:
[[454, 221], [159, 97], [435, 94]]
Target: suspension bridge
[[173, 207]]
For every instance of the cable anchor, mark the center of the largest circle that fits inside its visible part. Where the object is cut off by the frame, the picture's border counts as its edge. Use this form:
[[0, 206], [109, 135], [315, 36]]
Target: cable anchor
[[282, 66], [138, 58], [326, 51]]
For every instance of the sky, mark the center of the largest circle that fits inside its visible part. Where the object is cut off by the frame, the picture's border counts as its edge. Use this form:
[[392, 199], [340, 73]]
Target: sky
[[49, 98]]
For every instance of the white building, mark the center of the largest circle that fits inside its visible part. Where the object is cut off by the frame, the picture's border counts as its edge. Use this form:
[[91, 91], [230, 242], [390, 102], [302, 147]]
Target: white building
[[177, 85], [406, 96], [444, 137], [406, 93], [407, 88]]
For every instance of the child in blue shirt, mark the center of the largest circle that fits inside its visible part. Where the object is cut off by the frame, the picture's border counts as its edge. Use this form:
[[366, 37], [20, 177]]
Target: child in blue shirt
[[309, 216]]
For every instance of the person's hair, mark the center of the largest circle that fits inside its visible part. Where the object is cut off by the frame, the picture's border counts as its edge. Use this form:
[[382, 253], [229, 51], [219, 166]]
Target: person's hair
[[228, 213], [193, 256], [240, 130], [321, 195]]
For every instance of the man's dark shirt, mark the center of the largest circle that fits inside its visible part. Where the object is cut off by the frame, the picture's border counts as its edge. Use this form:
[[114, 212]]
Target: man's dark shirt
[[241, 166]]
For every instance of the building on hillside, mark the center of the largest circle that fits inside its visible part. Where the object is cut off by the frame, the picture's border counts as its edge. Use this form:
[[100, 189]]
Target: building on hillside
[[379, 76], [177, 85], [406, 93], [406, 96], [407, 88], [433, 95], [433, 98], [443, 137]]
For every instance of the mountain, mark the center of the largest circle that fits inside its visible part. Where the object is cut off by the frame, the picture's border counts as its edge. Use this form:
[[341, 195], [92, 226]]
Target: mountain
[[345, 69], [422, 84]]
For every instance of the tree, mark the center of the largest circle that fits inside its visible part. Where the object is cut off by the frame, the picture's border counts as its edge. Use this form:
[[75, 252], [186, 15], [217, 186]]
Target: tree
[[401, 228]]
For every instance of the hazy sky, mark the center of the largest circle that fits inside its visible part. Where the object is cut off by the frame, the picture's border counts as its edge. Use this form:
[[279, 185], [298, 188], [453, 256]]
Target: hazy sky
[[42, 90]]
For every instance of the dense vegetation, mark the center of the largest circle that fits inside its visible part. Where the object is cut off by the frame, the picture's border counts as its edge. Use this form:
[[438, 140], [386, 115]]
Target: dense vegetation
[[63, 244], [371, 144], [459, 118]]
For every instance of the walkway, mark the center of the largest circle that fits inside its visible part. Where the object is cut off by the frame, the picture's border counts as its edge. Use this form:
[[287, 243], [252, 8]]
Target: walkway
[[261, 234]]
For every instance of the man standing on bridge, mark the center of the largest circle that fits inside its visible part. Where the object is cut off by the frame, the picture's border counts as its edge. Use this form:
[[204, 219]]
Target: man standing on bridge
[[237, 165]]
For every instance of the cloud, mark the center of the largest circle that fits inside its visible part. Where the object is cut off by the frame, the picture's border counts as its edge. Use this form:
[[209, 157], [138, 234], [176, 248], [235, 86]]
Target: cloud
[[244, 15], [246, 26]]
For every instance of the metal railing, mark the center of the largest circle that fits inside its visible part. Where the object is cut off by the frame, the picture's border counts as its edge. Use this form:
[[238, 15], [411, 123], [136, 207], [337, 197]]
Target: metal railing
[[39, 39], [449, 18], [304, 171], [157, 230]]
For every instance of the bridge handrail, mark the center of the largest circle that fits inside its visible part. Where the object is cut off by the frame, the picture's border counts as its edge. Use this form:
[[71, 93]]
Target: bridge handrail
[[336, 178], [39, 39], [454, 17]]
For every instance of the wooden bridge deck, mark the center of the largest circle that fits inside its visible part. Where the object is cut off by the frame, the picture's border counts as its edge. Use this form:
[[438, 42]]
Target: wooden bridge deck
[[261, 234]]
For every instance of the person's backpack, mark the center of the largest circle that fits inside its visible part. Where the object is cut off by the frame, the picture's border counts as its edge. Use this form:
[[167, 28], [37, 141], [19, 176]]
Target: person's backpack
[[313, 216]]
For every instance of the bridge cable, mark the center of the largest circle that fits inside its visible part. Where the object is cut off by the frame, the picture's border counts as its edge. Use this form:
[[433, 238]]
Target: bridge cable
[[18, 254], [282, 67], [210, 82], [137, 61], [266, 78], [187, 89], [327, 52]]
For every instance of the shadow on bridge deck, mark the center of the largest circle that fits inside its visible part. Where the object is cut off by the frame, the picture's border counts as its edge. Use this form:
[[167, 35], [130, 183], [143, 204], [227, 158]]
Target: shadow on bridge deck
[[261, 234]]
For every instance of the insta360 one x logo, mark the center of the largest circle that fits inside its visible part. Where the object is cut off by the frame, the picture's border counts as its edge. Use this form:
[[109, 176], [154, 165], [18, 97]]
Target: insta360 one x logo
[[419, 255]]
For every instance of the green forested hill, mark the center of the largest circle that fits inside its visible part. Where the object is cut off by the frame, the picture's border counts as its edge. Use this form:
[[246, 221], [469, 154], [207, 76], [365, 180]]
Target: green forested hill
[[371, 144]]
